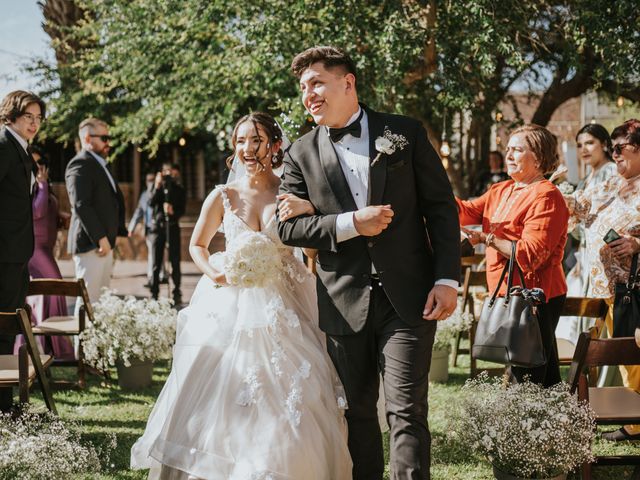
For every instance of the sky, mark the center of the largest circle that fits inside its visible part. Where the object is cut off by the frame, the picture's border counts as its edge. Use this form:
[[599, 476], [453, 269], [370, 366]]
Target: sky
[[21, 38]]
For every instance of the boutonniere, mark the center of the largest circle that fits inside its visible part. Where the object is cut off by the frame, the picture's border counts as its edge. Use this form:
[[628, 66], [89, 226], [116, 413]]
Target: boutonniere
[[389, 143]]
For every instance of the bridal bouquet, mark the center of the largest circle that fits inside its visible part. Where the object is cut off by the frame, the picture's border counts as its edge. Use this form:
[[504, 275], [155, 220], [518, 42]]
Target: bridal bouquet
[[525, 429], [252, 260], [128, 328]]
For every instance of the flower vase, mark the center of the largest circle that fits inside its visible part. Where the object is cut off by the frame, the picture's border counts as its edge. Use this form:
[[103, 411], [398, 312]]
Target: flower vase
[[136, 376], [500, 475], [439, 371]]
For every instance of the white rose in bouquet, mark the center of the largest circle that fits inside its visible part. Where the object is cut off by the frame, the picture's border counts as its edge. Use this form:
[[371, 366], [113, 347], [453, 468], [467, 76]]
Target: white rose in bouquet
[[252, 260]]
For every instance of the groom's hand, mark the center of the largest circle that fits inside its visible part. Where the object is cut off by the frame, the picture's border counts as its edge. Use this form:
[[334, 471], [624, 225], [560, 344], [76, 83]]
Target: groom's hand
[[372, 220], [441, 302]]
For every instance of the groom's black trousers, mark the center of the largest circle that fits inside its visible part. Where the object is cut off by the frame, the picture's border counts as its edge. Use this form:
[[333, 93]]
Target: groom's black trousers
[[402, 354]]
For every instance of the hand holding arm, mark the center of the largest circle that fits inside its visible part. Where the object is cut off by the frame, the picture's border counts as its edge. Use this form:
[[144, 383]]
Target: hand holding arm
[[291, 206]]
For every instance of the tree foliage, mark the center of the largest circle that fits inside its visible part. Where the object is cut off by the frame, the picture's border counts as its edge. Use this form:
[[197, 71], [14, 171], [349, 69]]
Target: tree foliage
[[158, 68]]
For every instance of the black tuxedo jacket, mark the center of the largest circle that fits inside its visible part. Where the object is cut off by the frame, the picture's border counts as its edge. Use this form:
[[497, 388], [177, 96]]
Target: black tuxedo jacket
[[16, 217], [96, 209], [420, 245]]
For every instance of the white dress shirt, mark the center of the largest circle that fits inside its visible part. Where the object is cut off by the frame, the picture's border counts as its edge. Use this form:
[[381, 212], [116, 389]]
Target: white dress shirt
[[353, 155], [103, 164], [24, 144]]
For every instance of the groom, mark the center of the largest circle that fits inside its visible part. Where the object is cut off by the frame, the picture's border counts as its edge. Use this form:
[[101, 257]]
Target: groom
[[387, 234]]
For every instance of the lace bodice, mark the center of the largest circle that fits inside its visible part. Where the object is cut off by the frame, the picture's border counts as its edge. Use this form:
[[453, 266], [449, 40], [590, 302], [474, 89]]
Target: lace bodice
[[234, 226]]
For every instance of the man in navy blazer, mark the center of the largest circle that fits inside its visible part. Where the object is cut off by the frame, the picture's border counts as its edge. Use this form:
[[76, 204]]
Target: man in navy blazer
[[21, 114], [97, 208]]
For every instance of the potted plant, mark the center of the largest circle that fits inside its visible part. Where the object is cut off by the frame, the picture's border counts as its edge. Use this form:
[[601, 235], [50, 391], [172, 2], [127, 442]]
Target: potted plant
[[130, 334], [458, 321], [525, 430]]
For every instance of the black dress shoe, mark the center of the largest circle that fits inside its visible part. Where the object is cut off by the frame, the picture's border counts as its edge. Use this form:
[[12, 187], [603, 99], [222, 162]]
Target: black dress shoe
[[620, 435]]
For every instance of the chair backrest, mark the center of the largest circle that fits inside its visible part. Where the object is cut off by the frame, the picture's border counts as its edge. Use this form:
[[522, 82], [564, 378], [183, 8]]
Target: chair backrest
[[475, 259], [67, 288], [584, 307], [10, 323], [597, 352]]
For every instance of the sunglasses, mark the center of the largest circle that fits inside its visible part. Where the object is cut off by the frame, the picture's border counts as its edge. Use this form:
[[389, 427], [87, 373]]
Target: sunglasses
[[617, 149], [104, 138]]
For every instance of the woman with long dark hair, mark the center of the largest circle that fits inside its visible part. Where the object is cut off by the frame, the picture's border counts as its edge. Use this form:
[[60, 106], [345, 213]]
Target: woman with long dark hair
[[594, 150], [47, 219]]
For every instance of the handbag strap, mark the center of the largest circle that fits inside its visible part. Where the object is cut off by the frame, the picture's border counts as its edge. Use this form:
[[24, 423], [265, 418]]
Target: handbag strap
[[633, 273], [508, 272]]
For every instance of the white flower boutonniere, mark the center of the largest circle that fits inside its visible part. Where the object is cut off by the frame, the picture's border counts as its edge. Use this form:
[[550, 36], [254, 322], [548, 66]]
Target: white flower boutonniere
[[389, 143]]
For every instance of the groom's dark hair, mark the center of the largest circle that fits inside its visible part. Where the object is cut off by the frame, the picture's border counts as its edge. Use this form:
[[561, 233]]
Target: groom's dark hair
[[331, 57]]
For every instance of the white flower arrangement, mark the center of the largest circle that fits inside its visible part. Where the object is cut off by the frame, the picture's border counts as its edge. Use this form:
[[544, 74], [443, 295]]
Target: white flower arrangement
[[388, 143], [525, 429], [252, 260], [39, 446], [566, 188], [128, 328], [459, 321]]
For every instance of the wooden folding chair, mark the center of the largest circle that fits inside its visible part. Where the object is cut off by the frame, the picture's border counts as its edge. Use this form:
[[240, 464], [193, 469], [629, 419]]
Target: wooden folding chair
[[580, 307], [612, 405], [23, 369], [472, 276], [68, 325]]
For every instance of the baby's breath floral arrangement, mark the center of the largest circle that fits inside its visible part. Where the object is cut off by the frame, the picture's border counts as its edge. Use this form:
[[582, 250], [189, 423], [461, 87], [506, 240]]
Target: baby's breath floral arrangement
[[459, 321], [524, 429], [129, 328], [39, 446], [252, 261]]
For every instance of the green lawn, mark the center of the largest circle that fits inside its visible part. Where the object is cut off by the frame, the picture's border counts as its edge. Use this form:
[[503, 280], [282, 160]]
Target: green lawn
[[105, 409]]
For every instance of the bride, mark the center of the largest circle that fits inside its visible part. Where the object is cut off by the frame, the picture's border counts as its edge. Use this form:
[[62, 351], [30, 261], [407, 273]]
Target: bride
[[252, 393]]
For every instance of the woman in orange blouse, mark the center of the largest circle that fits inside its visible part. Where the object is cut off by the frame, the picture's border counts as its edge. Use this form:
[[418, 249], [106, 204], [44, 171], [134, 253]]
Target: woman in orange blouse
[[530, 210]]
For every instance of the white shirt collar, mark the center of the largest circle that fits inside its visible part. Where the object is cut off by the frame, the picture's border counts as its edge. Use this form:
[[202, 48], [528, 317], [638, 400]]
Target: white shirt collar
[[352, 119], [101, 160], [23, 143]]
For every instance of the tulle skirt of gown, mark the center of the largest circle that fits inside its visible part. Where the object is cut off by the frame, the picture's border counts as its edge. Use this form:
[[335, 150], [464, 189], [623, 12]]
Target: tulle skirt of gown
[[252, 393]]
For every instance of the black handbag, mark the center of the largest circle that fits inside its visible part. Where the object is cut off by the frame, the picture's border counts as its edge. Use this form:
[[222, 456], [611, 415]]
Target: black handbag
[[508, 331], [626, 305]]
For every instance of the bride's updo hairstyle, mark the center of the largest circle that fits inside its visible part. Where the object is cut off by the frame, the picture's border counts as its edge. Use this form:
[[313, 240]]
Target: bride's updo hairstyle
[[270, 128]]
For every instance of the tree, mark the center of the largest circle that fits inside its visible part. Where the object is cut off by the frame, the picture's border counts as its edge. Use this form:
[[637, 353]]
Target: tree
[[158, 68]]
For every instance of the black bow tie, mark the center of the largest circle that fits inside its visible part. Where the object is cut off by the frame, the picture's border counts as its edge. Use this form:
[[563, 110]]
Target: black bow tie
[[354, 129]]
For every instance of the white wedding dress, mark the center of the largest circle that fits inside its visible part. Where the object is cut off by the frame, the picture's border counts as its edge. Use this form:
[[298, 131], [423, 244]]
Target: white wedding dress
[[252, 393]]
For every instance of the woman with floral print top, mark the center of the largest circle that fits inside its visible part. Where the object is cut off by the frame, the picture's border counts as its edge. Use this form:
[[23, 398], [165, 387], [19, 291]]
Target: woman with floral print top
[[615, 205]]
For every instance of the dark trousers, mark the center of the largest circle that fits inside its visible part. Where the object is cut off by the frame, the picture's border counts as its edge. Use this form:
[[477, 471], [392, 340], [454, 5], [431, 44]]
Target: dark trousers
[[548, 374], [402, 354], [158, 240], [14, 282]]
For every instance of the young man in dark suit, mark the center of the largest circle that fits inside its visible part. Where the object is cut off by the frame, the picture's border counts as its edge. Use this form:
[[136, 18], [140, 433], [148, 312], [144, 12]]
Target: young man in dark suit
[[21, 114], [97, 208], [387, 234]]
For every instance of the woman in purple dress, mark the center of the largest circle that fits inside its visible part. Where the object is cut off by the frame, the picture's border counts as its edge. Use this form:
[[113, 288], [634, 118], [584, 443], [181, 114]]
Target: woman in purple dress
[[46, 220]]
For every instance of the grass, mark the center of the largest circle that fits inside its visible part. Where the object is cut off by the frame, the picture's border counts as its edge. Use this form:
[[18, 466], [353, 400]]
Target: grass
[[104, 409]]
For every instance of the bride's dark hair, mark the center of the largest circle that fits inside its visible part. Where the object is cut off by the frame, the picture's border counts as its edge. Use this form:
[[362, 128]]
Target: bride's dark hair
[[271, 129]]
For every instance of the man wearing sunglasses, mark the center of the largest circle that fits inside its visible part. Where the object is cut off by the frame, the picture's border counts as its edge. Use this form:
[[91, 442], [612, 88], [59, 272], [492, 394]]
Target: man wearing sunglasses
[[97, 208]]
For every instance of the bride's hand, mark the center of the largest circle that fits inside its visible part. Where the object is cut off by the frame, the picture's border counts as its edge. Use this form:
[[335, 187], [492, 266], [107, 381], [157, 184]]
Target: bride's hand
[[290, 206], [220, 280]]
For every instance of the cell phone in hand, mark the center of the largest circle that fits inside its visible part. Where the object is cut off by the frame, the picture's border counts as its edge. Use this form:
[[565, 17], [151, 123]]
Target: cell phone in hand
[[611, 236]]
